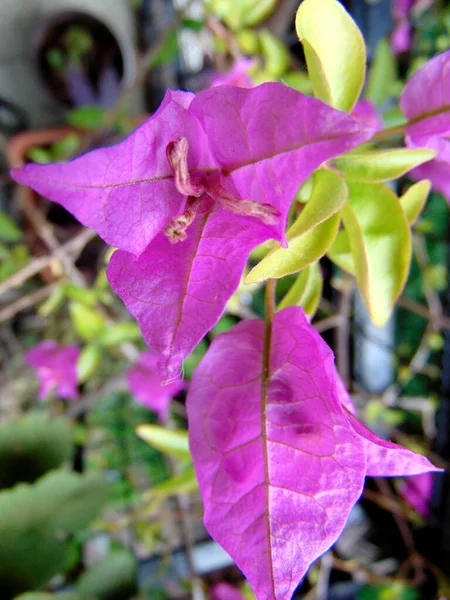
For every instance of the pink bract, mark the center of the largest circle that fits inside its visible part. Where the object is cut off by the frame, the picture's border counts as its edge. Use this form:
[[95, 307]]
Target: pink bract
[[429, 117], [188, 195], [238, 74], [417, 491], [225, 591], [56, 368], [146, 386], [281, 462], [366, 113]]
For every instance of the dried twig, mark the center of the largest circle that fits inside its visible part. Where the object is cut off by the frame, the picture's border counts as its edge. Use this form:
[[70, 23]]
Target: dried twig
[[25, 302]]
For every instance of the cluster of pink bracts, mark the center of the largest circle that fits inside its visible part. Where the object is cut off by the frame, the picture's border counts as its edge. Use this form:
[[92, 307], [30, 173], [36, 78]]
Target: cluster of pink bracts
[[279, 454]]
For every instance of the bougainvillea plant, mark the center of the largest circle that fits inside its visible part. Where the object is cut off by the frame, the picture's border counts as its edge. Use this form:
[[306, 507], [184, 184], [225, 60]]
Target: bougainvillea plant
[[279, 453], [56, 368]]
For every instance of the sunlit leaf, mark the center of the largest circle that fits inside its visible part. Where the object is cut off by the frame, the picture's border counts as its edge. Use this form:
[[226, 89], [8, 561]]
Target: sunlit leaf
[[87, 117], [381, 246], [414, 199], [382, 74], [88, 362], [119, 333], [244, 13], [88, 323], [306, 291], [341, 254], [381, 165], [334, 50], [275, 53], [184, 483], [168, 441]]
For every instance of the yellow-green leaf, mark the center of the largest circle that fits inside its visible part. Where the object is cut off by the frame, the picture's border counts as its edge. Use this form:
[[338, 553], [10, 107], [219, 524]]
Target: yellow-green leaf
[[302, 252], [88, 323], [88, 362], [413, 200], [382, 75], [276, 55], [382, 165], [169, 441], [184, 483], [120, 333], [341, 254], [244, 13], [306, 290], [334, 50], [380, 241]]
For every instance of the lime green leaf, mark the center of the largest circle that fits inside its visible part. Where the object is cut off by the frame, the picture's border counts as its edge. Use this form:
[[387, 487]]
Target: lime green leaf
[[79, 293], [275, 53], [184, 483], [120, 333], [53, 302], [312, 233], [89, 362], [67, 147], [306, 290], [334, 50], [341, 254], [88, 323], [245, 13], [166, 53], [381, 246], [40, 155], [382, 75], [302, 252], [413, 200], [298, 81], [168, 441], [9, 232], [87, 117], [381, 165], [248, 40]]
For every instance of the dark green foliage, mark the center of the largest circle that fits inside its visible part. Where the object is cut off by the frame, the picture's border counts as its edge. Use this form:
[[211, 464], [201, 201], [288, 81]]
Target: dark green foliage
[[113, 578], [32, 446]]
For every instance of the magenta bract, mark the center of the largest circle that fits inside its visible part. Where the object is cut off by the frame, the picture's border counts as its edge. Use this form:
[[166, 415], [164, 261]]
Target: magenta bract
[[56, 368], [417, 491], [237, 75], [366, 113], [225, 591], [188, 195], [146, 386], [281, 462], [429, 119]]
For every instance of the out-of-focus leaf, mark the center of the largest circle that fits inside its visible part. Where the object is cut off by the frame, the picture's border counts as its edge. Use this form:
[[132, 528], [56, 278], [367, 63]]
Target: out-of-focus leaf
[[275, 53], [248, 41], [52, 303], [40, 155], [382, 74], [88, 323], [9, 232], [166, 53], [191, 362], [298, 81], [80, 294], [31, 446], [89, 362], [112, 578], [334, 50], [184, 483], [16, 259], [120, 333], [312, 233], [306, 290], [192, 24], [341, 254], [66, 147], [87, 117], [245, 13], [414, 199], [381, 165], [168, 441], [43, 596], [381, 247]]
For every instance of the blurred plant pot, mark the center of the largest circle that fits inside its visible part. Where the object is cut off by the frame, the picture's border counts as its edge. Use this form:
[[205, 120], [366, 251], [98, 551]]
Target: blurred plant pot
[[81, 61]]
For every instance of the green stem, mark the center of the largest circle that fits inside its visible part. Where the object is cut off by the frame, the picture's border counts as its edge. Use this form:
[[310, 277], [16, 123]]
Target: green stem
[[388, 133]]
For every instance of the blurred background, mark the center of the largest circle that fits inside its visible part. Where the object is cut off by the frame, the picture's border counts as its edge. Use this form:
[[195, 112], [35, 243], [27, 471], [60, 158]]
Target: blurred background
[[91, 509]]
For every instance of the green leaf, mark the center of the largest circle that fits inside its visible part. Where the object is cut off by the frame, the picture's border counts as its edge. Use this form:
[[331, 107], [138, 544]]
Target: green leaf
[[31, 446], [301, 252], [306, 290], [168, 441], [245, 13], [79, 293], [112, 578], [298, 81], [184, 483], [312, 233], [66, 147], [87, 117], [382, 74], [119, 333], [43, 596], [381, 165], [341, 254], [334, 50], [9, 232], [414, 199], [166, 53], [40, 155], [89, 361], [275, 54], [381, 246], [88, 323], [53, 302], [192, 24]]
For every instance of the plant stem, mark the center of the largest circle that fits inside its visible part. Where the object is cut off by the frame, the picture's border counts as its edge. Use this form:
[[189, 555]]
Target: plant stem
[[388, 133]]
